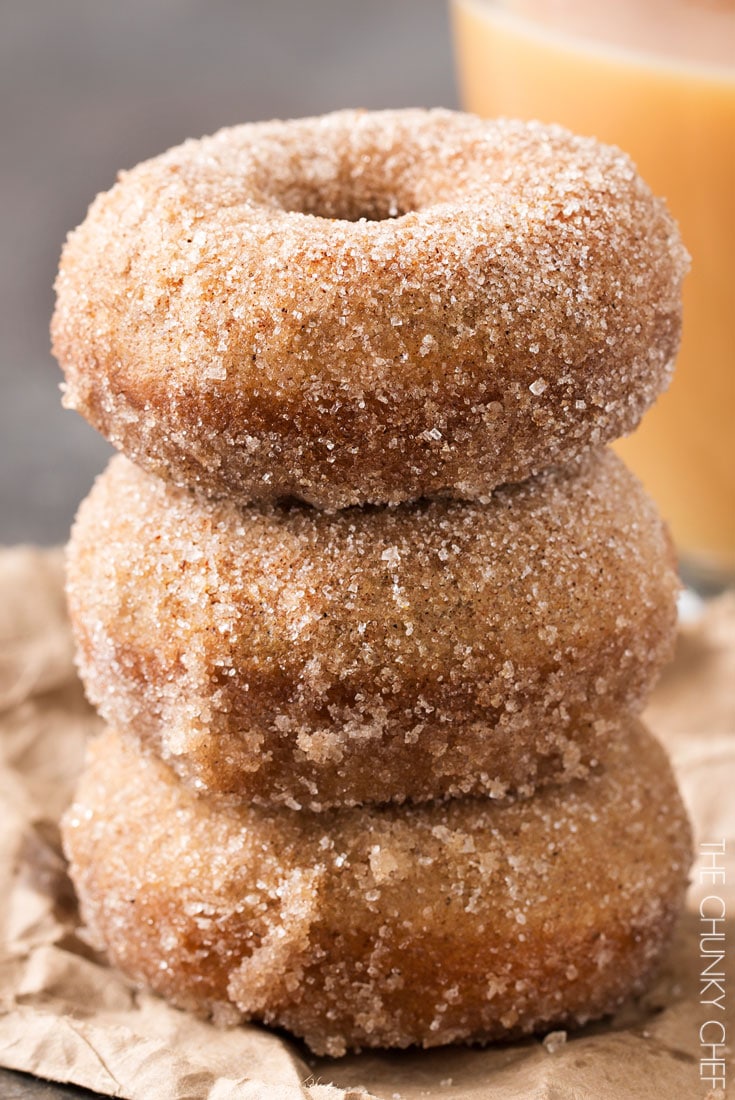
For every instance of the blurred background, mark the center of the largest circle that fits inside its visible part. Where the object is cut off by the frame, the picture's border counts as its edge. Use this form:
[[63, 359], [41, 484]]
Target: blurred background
[[88, 88]]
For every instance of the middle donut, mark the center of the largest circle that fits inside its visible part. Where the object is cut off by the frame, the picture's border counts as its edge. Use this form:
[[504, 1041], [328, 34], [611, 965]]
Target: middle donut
[[375, 654]]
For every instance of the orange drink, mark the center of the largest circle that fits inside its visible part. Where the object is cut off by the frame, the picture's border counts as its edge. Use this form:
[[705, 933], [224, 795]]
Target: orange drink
[[657, 78]]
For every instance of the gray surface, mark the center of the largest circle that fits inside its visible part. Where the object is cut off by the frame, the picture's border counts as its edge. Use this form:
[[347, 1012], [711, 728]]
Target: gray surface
[[87, 88], [19, 1086]]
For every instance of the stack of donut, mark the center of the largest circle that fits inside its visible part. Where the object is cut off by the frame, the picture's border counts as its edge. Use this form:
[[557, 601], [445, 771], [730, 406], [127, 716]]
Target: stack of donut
[[367, 605]]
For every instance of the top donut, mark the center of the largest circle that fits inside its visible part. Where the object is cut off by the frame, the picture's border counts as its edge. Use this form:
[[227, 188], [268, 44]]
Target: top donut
[[369, 306]]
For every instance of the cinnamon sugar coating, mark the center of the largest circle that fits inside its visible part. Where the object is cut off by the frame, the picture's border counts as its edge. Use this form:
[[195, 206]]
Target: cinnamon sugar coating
[[461, 921], [377, 654], [369, 307]]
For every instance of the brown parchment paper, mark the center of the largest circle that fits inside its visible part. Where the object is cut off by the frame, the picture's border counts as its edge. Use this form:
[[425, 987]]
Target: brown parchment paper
[[66, 1016]]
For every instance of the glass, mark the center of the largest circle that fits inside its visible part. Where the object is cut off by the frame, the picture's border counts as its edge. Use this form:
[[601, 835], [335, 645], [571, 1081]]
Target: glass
[[657, 78]]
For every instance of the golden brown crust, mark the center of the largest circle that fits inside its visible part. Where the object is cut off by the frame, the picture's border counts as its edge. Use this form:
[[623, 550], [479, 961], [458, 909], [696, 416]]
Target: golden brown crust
[[375, 654], [462, 921], [223, 322]]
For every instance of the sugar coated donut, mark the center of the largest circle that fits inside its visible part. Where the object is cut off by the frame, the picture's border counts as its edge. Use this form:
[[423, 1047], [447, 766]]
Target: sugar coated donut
[[458, 921], [374, 654], [369, 307]]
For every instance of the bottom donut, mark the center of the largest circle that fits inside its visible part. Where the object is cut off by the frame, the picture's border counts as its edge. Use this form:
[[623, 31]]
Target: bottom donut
[[463, 921]]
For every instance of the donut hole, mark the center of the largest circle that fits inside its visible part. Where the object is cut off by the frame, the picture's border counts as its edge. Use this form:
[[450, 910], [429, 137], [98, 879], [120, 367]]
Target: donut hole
[[346, 200], [352, 171], [342, 189]]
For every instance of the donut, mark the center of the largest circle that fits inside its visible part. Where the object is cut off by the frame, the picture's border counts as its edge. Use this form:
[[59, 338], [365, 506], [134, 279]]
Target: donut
[[369, 307], [461, 921], [416, 651]]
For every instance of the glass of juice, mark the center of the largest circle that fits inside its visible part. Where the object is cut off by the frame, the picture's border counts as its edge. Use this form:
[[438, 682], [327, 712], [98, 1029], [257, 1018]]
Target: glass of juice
[[657, 78]]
